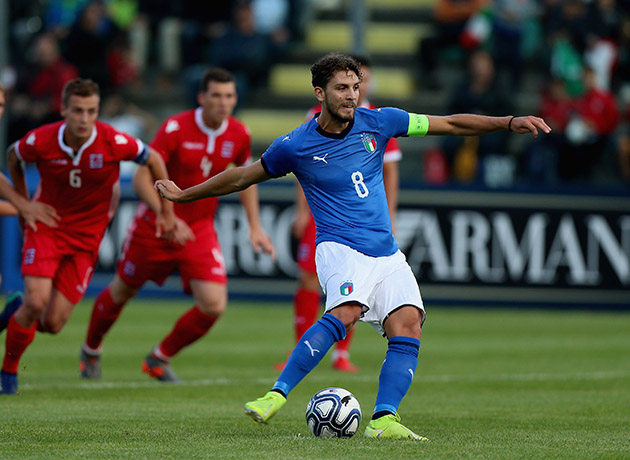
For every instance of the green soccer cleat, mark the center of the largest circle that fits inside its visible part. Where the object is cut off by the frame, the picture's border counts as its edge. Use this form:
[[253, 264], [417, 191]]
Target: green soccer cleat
[[389, 427], [264, 408]]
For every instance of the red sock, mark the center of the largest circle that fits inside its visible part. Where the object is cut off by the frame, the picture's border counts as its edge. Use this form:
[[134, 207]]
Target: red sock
[[305, 309], [344, 344], [191, 326], [18, 339], [104, 314]]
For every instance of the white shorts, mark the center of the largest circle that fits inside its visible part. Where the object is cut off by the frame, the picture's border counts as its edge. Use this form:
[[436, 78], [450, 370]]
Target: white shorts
[[380, 284]]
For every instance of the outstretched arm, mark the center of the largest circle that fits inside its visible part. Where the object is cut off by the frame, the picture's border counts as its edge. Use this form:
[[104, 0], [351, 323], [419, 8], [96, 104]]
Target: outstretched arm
[[232, 180], [466, 124]]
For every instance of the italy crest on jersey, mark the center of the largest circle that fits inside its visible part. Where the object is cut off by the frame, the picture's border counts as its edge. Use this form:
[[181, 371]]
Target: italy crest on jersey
[[368, 142], [346, 288]]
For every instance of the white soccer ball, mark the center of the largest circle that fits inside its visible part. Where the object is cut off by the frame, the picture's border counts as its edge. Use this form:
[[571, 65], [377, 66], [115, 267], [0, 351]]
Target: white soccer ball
[[333, 413]]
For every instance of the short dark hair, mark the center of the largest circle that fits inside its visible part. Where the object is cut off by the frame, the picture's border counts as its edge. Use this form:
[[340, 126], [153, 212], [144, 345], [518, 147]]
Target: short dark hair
[[215, 74], [83, 87], [325, 67]]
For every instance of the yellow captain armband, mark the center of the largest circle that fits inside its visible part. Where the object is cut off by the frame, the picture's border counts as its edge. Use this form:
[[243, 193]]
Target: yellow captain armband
[[418, 125]]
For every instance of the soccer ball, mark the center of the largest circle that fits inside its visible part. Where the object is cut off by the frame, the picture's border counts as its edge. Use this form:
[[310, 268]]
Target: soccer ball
[[333, 413]]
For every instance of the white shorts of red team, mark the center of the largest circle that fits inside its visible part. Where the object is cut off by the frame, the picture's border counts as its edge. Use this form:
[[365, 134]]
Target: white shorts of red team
[[381, 284]]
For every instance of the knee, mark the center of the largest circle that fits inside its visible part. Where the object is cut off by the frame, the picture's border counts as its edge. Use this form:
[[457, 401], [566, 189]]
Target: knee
[[51, 326], [213, 307], [405, 322], [121, 292], [348, 314], [33, 307]]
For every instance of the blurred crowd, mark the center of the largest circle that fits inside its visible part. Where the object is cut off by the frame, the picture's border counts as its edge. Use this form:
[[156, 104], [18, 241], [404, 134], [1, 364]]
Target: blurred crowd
[[578, 49], [124, 44], [579, 52]]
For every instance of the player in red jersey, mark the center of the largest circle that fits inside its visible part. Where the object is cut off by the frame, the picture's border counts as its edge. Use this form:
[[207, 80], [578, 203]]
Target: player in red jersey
[[78, 161], [307, 298], [196, 144]]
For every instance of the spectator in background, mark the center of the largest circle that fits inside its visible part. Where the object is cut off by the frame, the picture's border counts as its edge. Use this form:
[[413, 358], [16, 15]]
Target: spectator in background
[[480, 95], [510, 18], [450, 19], [60, 15], [589, 132], [37, 97], [541, 156], [201, 25], [88, 44], [154, 35], [245, 52]]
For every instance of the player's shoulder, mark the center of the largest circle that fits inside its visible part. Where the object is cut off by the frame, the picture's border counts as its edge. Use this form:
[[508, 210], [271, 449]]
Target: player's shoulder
[[47, 130], [379, 115], [179, 121], [44, 135], [236, 125], [292, 141], [108, 134]]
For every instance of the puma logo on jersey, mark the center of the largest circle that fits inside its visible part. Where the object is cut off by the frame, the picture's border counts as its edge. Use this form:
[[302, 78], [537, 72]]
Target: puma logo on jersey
[[171, 126], [286, 138], [120, 139], [30, 140], [316, 158]]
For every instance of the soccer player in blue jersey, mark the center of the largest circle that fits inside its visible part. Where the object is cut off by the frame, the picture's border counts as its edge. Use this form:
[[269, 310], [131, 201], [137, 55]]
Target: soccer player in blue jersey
[[338, 159]]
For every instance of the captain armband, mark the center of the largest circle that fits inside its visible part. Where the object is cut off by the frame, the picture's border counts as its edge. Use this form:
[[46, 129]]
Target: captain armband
[[418, 125]]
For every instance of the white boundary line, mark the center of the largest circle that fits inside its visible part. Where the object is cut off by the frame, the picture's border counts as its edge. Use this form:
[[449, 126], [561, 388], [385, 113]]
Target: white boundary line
[[419, 379]]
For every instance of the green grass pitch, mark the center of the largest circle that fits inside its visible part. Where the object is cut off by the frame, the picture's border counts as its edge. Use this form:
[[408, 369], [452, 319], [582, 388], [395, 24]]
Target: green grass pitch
[[490, 384]]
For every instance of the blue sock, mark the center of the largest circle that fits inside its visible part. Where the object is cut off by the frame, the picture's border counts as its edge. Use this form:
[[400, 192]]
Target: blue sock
[[310, 350], [396, 373]]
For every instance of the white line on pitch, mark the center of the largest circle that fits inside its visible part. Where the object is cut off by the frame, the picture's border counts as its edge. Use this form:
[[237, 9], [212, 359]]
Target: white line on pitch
[[538, 377]]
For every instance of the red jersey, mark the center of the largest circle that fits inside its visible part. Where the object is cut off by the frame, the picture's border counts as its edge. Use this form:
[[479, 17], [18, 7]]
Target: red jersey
[[193, 153], [599, 107], [83, 186], [392, 151]]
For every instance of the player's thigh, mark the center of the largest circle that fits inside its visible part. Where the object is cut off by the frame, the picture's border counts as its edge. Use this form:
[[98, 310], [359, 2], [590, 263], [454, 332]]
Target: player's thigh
[[57, 312], [202, 260], [74, 274], [37, 291], [120, 291], [345, 275], [308, 280], [397, 287], [210, 297], [145, 259]]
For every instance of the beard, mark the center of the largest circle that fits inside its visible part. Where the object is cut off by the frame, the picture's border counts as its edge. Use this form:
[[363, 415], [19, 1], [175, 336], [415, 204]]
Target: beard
[[336, 115]]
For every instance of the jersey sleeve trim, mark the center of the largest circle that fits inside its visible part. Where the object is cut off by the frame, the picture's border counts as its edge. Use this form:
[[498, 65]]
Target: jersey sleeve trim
[[16, 147], [143, 154], [418, 125], [265, 167]]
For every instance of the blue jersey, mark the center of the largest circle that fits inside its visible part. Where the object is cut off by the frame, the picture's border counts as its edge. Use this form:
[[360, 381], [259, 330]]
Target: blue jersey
[[342, 177]]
